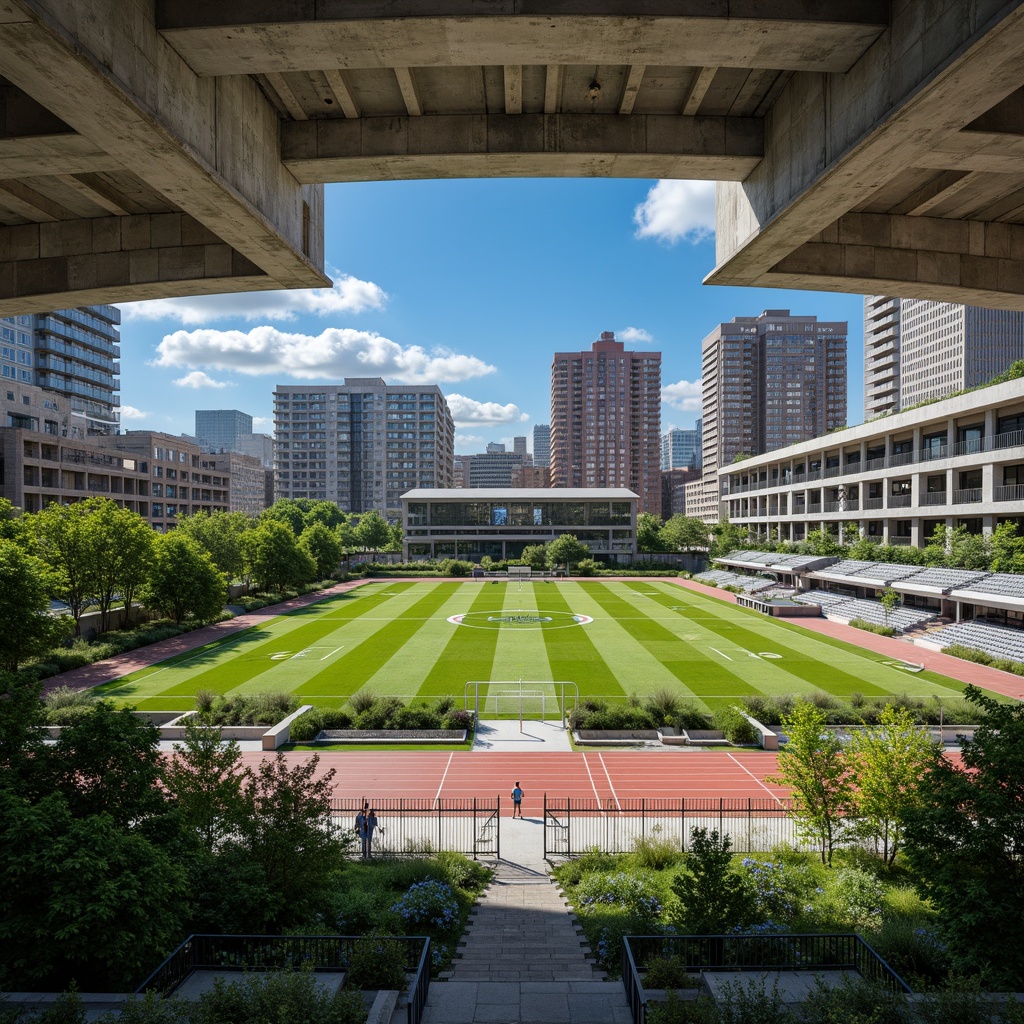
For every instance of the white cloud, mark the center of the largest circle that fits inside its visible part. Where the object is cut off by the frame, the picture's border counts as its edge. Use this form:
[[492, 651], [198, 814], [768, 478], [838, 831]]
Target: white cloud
[[129, 412], [684, 395], [468, 439], [335, 352], [677, 210], [634, 334], [469, 412], [198, 379], [262, 425], [348, 295]]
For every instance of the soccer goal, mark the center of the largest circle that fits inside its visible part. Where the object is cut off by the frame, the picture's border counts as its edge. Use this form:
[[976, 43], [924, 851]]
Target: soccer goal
[[537, 700], [520, 572]]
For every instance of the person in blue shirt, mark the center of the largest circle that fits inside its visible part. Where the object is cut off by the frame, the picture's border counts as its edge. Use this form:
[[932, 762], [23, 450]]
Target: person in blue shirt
[[366, 823], [517, 802]]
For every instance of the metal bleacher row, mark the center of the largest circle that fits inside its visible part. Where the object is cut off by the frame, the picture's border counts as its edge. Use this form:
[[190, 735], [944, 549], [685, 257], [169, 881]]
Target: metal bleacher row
[[723, 578], [998, 641], [900, 619]]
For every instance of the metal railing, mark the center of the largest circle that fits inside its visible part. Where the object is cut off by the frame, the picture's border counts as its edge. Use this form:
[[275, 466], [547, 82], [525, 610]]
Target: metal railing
[[1009, 492], [574, 825], [409, 827], [839, 952], [966, 495], [318, 953], [933, 497]]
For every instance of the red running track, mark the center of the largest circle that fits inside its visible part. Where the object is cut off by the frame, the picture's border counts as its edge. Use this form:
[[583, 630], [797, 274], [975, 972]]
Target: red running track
[[607, 775]]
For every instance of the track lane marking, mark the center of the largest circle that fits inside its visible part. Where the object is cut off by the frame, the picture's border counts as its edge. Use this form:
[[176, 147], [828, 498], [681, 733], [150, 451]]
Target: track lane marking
[[615, 796], [774, 796], [593, 785], [437, 795]]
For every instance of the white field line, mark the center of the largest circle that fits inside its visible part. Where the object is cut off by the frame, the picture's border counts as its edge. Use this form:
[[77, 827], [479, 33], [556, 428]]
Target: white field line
[[717, 651], [758, 781], [335, 651], [615, 795], [593, 786], [437, 795]]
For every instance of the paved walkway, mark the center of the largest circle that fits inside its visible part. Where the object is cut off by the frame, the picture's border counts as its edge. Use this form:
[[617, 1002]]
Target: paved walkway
[[523, 959]]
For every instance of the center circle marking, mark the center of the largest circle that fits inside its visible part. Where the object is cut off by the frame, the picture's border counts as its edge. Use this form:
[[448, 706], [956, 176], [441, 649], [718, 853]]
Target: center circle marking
[[519, 619]]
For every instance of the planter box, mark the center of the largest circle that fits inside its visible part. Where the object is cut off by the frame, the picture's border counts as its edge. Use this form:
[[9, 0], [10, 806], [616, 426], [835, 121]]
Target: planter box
[[705, 738], [391, 736], [615, 737]]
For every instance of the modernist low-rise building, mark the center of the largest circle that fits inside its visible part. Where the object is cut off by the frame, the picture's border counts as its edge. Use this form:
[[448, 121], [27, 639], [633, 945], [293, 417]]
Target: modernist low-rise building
[[956, 462], [501, 522]]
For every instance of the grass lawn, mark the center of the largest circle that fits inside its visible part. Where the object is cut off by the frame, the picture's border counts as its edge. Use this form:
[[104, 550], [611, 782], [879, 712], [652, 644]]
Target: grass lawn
[[397, 638]]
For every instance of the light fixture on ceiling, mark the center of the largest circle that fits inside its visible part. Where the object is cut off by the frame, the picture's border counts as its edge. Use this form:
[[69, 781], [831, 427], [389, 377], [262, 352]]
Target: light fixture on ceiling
[[594, 89]]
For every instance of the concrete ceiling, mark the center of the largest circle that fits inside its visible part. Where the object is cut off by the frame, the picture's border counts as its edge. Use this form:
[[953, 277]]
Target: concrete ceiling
[[166, 147]]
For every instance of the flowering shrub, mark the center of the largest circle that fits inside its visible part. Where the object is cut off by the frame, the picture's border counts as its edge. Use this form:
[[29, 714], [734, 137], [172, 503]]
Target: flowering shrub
[[428, 904], [853, 898], [772, 888], [636, 894]]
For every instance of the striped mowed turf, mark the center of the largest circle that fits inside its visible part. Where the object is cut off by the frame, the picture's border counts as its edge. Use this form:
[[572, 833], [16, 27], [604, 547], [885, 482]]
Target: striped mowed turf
[[396, 638]]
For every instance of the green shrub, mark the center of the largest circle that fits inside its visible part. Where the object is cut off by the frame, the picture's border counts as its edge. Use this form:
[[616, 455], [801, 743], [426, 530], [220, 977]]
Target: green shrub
[[872, 627], [61, 697], [378, 961], [618, 717], [654, 852], [455, 567], [380, 714], [458, 718], [362, 700], [968, 654], [913, 948], [587, 567], [662, 705], [364, 908], [736, 728], [669, 972], [415, 716], [460, 872]]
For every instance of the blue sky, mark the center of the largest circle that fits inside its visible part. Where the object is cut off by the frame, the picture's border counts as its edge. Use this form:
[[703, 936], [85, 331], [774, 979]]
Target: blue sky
[[471, 285]]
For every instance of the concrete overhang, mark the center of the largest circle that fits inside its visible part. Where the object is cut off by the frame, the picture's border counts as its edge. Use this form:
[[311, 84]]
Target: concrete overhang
[[1001, 601]]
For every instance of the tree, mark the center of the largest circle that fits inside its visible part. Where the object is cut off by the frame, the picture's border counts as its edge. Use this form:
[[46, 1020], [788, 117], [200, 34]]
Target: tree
[[890, 759], [287, 829], [15, 526], [534, 556], [712, 897], [1007, 549], [121, 546], [204, 780], [28, 627], [726, 538], [964, 837], [968, 550], [64, 545], [684, 533], [889, 599], [274, 559], [323, 547], [184, 582], [220, 533], [935, 551], [326, 513], [373, 532], [288, 511], [821, 542], [566, 549], [865, 549], [395, 544], [816, 768], [648, 532], [347, 538]]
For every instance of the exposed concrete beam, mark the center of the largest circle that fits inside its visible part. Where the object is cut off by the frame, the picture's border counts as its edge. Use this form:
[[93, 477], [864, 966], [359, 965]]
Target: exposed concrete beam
[[79, 262], [266, 35], [30, 156], [408, 89], [208, 147], [342, 93], [487, 145], [698, 90], [554, 76], [835, 141], [513, 75], [923, 200], [918, 257], [990, 152], [94, 193], [631, 88], [30, 203], [288, 98]]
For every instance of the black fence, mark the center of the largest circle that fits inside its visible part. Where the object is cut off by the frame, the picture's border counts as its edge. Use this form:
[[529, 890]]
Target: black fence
[[408, 827], [813, 953], [318, 953], [572, 826]]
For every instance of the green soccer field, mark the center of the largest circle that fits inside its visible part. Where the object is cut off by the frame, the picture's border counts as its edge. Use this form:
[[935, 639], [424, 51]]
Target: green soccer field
[[398, 638]]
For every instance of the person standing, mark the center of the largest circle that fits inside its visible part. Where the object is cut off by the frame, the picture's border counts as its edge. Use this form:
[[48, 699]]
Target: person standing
[[366, 824], [517, 802]]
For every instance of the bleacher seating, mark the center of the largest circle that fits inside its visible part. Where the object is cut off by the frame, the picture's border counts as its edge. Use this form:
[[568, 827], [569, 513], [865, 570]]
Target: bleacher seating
[[998, 641], [848, 608], [724, 578]]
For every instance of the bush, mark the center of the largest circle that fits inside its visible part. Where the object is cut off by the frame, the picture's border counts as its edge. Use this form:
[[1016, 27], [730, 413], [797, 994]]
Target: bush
[[428, 905], [655, 853], [662, 705], [365, 908], [61, 698], [872, 627], [362, 700], [913, 949], [587, 567], [459, 718], [415, 716], [689, 716], [308, 726], [669, 972], [380, 714], [736, 728], [455, 567], [378, 962], [250, 709], [618, 717], [460, 872]]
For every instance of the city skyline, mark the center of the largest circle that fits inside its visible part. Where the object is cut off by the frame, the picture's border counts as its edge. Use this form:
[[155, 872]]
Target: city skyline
[[416, 301]]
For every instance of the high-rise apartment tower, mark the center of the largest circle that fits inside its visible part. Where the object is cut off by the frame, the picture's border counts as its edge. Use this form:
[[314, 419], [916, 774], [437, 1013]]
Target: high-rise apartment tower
[[769, 381], [219, 429], [542, 444], [680, 449], [361, 444], [606, 420], [917, 350]]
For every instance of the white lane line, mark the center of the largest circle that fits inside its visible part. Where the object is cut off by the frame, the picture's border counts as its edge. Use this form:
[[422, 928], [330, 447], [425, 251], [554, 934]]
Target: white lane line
[[437, 795], [774, 796], [717, 651], [593, 786], [615, 795], [335, 651]]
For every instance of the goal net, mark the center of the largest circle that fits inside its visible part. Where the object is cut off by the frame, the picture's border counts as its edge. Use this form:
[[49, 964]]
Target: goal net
[[538, 700]]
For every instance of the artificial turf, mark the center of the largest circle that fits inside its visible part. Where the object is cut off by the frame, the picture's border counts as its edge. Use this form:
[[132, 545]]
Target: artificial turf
[[396, 638]]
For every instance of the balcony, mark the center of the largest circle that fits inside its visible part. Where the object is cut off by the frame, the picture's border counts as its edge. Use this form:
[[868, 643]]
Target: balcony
[[1009, 492], [933, 498], [873, 503], [900, 500], [967, 496]]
